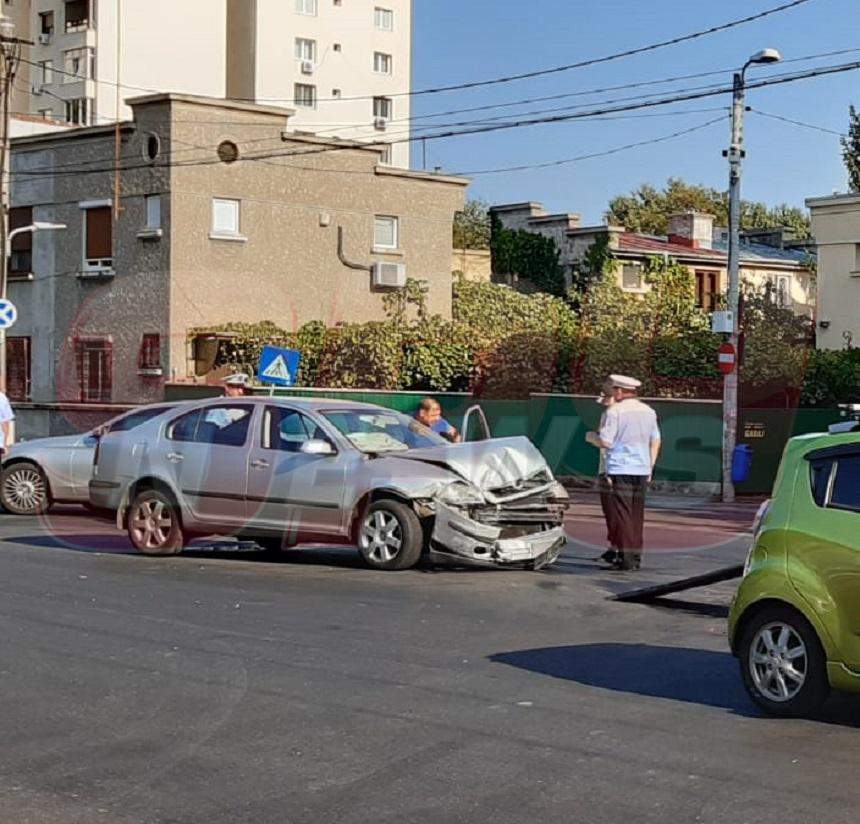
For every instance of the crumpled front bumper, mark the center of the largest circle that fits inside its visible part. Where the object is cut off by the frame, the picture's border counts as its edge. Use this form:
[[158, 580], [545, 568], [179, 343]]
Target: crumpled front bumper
[[456, 534]]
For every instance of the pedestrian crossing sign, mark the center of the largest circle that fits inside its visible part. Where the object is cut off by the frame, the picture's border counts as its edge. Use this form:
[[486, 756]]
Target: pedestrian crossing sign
[[277, 366]]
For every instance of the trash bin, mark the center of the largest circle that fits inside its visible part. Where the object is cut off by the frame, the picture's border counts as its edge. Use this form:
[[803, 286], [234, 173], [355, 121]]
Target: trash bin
[[741, 463]]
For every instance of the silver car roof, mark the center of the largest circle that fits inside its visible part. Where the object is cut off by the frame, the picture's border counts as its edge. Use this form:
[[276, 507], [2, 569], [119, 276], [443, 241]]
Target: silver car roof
[[307, 404]]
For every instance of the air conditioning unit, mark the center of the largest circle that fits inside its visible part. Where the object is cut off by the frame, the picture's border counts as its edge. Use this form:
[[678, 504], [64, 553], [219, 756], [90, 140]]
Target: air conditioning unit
[[45, 39], [380, 124], [36, 89], [307, 67], [389, 275]]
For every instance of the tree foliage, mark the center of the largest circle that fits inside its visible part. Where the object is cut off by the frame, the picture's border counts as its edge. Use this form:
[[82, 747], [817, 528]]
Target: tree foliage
[[472, 226], [647, 209], [851, 149], [522, 255]]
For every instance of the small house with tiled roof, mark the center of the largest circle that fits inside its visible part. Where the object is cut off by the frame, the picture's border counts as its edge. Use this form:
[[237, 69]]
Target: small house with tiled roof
[[767, 257]]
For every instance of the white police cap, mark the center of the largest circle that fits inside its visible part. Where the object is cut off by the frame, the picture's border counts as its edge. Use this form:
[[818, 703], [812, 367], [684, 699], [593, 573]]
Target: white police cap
[[625, 382]]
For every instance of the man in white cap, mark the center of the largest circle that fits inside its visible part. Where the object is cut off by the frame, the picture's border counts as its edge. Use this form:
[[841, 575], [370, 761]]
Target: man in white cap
[[235, 385], [631, 436]]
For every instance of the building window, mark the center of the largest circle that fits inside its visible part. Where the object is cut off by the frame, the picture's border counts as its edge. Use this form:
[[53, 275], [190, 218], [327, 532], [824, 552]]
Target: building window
[[631, 276], [95, 369], [306, 7], [382, 63], [98, 238], [21, 257], [79, 111], [306, 49], [77, 15], [46, 23], [18, 361], [225, 218], [335, 93], [782, 291], [385, 157], [707, 290], [149, 358], [47, 114], [383, 107], [383, 19], [78, 64], [153, 212], [305, 95], [385, 232], [46, 72]]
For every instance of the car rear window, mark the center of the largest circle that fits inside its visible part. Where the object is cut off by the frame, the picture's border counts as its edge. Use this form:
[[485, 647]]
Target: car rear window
[[820, 479]]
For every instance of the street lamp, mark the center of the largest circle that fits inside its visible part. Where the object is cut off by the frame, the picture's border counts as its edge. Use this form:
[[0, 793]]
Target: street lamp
[[35, 226], [735, 155]]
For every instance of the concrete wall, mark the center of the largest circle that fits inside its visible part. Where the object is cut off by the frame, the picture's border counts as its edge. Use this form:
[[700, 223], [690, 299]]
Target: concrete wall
[[287, 269], [475, 264], [166, 46], [351, 26], [836, 226], [19, 11]]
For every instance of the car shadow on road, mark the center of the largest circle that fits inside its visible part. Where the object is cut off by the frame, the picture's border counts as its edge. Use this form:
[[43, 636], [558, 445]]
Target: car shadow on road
[[696, 676]]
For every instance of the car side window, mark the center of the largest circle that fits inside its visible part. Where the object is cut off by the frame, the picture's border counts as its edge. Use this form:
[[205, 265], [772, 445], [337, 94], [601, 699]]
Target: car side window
[[184, 427], [225, 425], [286, 430], [135, 419], [820, 479], [845, 493]]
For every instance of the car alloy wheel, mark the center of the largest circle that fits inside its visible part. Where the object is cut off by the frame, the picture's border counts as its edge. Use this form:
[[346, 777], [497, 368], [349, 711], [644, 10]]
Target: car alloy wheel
[[24, 490], [381, 537], [778, 662], [153, 525]]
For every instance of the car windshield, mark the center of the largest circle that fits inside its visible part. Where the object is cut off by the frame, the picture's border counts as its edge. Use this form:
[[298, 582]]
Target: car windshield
[[132, 420], [383, 431]]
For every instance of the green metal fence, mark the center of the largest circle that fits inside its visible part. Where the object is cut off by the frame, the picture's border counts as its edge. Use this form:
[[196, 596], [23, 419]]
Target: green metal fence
[[692, 430]]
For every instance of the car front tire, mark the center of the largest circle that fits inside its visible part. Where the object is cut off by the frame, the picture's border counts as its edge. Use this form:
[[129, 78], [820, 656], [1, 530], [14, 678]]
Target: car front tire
[[390, 536], [782, 663], [153, 524], [24, 489]]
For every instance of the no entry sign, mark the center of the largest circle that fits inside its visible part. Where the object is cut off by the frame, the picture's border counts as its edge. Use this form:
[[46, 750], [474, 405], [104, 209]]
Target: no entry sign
[[726, 358]]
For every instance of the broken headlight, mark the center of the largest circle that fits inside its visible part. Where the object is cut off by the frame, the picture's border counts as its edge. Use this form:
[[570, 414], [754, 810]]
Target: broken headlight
[[461, 494]]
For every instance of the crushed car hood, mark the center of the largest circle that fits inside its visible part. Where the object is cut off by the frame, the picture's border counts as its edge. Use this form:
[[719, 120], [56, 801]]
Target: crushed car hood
[[493, 464]]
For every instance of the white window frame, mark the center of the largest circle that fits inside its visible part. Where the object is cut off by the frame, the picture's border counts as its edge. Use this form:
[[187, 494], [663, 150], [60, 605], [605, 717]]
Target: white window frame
[[386, 155], [383, 102], [85, 110], [302, 52], [783, 300], [383, 63], [299, 100], [152, 207], [307, 7], [95, 264], [640, 282], [87, 56], [224, 232], [46, 67], [380, 16], [391, 222]]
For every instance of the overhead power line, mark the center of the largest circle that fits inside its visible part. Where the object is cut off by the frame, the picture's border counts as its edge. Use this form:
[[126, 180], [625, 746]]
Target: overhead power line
[[796, 122], [605, 153], [560, 118], [674, 41]]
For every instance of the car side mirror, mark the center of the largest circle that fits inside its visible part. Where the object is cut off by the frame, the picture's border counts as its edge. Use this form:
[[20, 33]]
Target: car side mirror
[[317, 446]]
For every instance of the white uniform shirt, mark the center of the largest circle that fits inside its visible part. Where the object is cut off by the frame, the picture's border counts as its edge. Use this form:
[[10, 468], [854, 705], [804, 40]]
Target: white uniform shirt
[[6, 413], [629, 427]]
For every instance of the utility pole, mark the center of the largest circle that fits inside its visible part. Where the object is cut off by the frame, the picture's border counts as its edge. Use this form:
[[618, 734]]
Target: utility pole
[[736, 155], [10, 58]]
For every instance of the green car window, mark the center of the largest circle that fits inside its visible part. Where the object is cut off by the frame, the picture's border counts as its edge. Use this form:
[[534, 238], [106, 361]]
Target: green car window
[[846, 485]]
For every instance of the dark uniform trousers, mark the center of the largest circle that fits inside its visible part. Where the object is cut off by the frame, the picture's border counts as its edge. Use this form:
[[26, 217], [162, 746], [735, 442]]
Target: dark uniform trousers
[[626, 517]]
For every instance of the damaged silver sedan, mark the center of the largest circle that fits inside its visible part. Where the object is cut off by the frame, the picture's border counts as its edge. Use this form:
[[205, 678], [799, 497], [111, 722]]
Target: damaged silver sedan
[[285, 471]]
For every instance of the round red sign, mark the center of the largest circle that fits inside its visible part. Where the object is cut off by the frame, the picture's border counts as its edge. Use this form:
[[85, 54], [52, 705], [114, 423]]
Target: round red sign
[[726, 358]]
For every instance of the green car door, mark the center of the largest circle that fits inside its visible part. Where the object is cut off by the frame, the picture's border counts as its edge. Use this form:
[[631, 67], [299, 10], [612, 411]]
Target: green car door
[[823, 541]]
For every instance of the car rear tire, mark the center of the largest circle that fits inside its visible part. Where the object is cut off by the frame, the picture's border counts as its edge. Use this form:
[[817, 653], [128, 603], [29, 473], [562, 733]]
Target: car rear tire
[[782, 662], [24, 489], [153, 524], [390, 536]]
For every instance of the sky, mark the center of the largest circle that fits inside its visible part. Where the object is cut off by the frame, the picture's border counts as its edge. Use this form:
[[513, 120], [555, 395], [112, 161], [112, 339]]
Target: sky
[[457, 41]]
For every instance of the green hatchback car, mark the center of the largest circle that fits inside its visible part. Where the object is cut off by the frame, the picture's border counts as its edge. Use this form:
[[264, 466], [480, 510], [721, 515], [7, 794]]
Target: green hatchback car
[[794, 623]]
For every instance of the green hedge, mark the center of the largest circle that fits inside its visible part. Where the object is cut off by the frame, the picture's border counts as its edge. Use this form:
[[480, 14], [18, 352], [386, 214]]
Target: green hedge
[[504, 344]]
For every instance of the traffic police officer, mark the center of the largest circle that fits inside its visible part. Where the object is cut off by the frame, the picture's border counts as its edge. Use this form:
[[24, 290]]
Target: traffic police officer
[[631, 436]]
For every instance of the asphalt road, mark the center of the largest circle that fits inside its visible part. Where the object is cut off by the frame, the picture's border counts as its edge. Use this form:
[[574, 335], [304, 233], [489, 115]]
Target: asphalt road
[[220, 687]]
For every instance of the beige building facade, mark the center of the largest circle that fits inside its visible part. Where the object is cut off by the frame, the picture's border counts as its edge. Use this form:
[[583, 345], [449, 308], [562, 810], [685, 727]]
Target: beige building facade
[[106, 307], [692, 240], [344, 67], [836, 222]]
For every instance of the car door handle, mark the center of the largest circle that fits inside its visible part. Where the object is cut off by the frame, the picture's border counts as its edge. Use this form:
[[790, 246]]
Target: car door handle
[[175, 457], [259, 463]]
